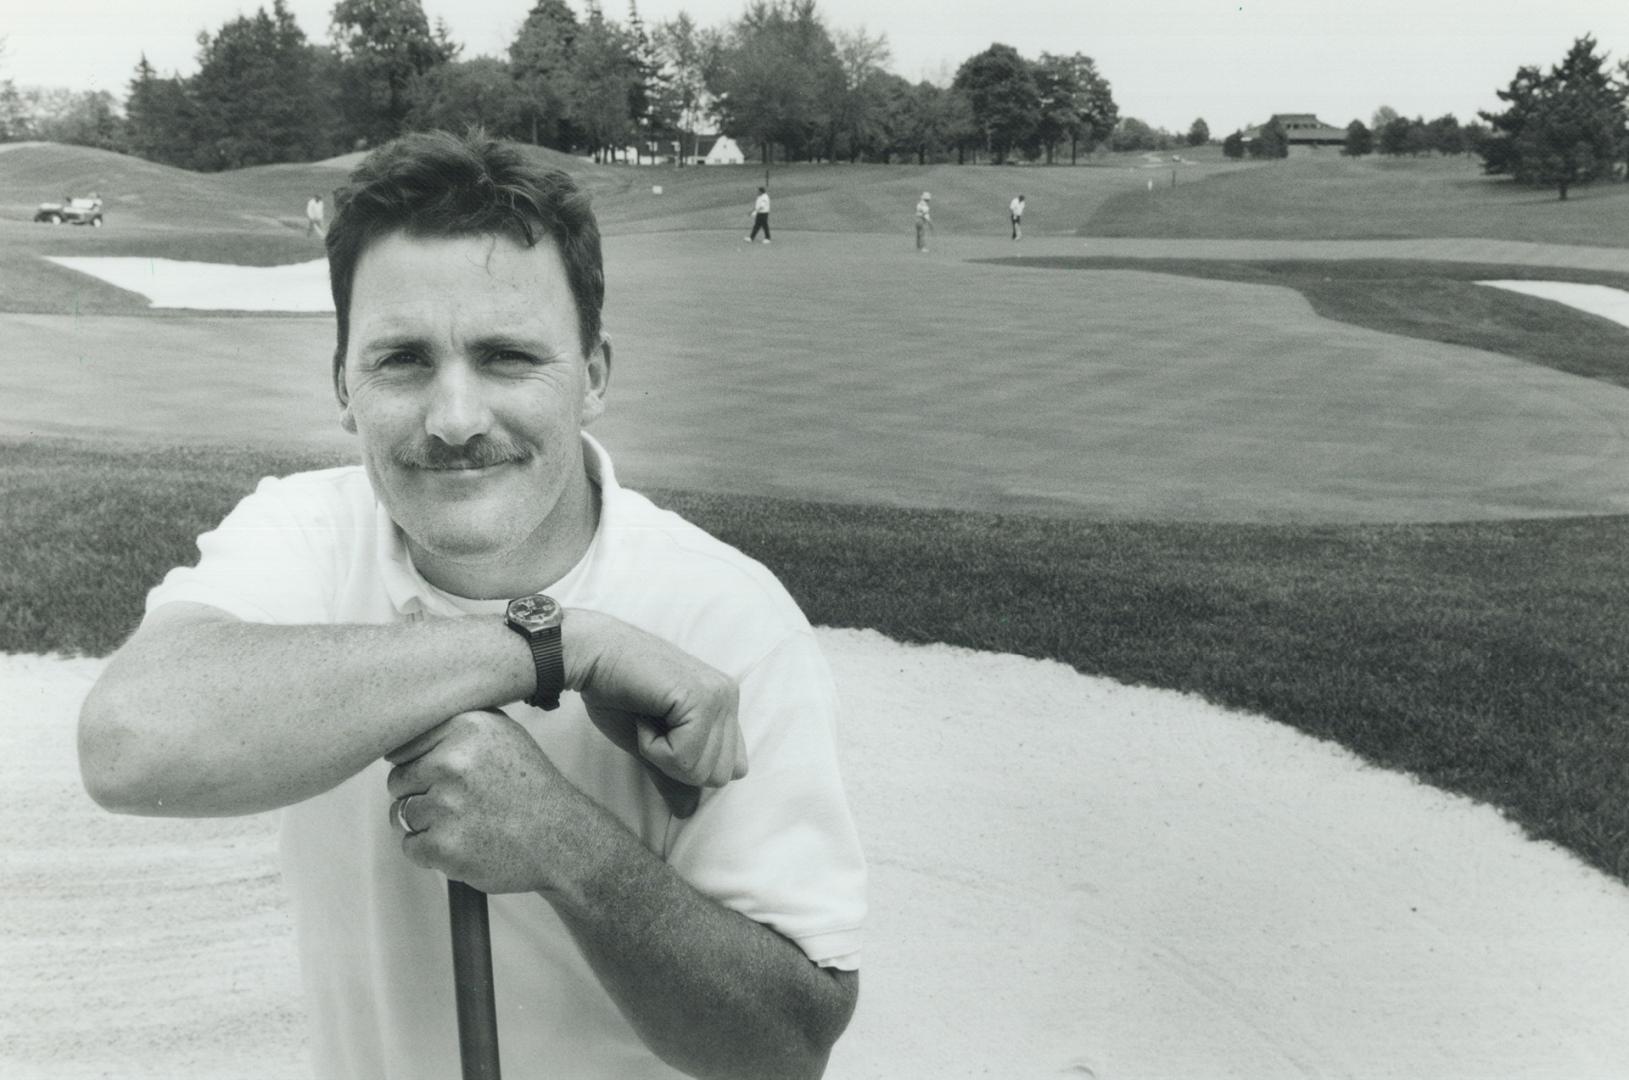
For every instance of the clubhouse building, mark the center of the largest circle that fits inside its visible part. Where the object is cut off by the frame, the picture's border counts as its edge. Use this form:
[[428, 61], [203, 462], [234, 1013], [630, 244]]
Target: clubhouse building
[[1304, 131]]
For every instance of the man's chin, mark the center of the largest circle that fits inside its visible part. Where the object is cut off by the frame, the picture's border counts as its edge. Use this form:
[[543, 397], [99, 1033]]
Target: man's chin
[[462, 544]]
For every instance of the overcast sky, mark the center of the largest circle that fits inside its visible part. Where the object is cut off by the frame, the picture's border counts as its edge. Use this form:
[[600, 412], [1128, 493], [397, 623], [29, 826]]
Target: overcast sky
[[1233, 63]]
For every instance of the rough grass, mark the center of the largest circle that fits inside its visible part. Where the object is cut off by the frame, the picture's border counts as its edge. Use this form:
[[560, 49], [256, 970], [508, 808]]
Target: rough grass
[[1488, 659], [1329, 197], [1434, 301]]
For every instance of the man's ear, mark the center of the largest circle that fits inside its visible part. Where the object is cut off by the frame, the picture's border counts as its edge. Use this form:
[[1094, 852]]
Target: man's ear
[[346, 420], [598, 381]]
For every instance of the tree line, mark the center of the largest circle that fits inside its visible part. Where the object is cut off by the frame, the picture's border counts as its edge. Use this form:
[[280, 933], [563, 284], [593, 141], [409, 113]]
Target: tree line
[[1562, 127], [778, 79]]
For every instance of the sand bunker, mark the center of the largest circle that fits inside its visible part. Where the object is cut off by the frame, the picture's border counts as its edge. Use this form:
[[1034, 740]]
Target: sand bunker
[[1070, 877], [1602, 300], [170, 283]]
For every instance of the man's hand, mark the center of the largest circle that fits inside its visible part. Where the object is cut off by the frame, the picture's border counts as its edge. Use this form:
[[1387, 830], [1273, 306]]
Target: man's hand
[[484, 802], [656, 702]]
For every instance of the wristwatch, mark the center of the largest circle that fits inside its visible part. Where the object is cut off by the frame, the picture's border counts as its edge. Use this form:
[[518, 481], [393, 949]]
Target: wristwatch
[[537, 618]]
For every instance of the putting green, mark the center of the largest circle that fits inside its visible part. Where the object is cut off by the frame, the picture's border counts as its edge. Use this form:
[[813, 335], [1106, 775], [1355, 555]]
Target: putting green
[[850, 368]]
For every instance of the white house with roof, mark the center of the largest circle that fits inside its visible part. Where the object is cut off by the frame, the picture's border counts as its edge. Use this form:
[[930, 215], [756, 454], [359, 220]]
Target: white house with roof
[[721, 150]]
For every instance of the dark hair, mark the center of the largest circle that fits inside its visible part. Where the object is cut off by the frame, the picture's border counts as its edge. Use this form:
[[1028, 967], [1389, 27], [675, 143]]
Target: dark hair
[[436, 184]]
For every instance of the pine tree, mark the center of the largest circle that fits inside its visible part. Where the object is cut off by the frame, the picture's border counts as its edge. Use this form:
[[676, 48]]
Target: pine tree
[[541, 59], [1564, 127]]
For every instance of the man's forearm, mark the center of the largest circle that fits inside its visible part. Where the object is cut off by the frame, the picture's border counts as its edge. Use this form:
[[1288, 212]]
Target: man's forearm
[[218, 717], [710, 991]]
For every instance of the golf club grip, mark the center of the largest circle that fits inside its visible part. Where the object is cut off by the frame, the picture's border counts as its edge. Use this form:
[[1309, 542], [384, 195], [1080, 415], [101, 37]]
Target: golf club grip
[[472, 986]]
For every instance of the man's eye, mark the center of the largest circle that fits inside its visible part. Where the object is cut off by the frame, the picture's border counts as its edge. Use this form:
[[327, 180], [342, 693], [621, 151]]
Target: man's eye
[[513, 357], [398, 359]]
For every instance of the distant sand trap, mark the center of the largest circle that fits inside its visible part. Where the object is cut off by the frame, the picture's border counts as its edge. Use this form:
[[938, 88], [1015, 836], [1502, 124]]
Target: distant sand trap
[[1602, 300], [1070, 877], [171, 283]]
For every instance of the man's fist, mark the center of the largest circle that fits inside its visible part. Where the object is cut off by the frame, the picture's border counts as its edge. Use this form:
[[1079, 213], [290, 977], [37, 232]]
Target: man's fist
[[484, 804], [655, 701]]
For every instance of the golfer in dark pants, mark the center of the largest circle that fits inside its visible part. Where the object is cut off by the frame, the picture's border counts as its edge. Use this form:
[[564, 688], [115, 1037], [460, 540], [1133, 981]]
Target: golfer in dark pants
[[760, 216]]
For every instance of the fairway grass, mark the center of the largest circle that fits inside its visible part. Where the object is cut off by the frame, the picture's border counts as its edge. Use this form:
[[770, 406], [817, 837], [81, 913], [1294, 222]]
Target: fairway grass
[[1325, 196], [1432, 301], [848, 369], [1485, 658]]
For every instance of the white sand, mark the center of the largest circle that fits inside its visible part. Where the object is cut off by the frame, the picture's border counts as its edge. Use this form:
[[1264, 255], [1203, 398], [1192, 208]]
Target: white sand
[[1071, 877], [1602, 300], [171, 283]]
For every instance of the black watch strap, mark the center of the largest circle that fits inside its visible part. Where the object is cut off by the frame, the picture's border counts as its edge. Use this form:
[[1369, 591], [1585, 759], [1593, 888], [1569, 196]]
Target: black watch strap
[[549, 659]]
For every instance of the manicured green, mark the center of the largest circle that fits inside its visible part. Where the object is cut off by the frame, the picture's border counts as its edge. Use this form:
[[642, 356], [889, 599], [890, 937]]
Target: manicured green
[[1434, 301]]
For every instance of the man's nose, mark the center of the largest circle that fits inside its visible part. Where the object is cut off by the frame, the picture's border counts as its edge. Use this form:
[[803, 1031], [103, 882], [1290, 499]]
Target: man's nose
[[458, 411]]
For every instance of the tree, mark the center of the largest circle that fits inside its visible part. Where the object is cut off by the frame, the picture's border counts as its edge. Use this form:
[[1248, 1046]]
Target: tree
[[1056, 119], [687, 54], [859, 112], [650, 104], [1233, 146], [1399, 137], [777, 77], [1444, 135], [253, 101], [1134, 134], [1092, 103], [1199, 133], [14, 123], [1382, 116], [1476, 135], [465, 94], [386, 45], [80, 118], [1562, 128], [1272, 141], [1000, 87], [542, 62], [602, 79], [1359, 140]]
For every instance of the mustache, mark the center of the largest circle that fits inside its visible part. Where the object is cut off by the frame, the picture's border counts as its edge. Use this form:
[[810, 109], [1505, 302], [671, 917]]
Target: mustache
[[479, 453]]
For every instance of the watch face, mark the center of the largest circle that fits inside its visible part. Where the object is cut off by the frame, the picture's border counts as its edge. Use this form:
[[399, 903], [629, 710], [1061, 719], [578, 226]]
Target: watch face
[[536, 612]]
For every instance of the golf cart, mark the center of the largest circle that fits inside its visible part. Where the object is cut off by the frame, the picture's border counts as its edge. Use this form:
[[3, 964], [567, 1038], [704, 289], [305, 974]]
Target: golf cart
[[86, 211]]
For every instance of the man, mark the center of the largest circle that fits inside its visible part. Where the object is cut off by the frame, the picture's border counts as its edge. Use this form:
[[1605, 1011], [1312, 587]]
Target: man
[[924, 221], [760, 216], [395, 610], [1016, 210], [314, 216]]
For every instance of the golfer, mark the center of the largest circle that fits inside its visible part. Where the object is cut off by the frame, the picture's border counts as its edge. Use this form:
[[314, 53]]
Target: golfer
[[477, 656], [760, 216], [1016, 210], [924, 220], [314, 214]]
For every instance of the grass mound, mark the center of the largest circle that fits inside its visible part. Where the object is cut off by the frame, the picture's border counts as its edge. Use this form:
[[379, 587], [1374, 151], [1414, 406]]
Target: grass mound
[[1330, 197]]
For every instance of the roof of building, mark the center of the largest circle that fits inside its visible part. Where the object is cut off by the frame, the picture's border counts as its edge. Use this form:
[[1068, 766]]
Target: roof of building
[[1300, 128]]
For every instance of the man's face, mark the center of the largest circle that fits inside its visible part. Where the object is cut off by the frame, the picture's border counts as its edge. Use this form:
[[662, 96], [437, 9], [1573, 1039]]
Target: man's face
[[465, 378]]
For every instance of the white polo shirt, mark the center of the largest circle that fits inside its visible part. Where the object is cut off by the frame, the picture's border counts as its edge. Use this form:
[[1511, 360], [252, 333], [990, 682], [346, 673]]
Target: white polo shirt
[[778, 846]]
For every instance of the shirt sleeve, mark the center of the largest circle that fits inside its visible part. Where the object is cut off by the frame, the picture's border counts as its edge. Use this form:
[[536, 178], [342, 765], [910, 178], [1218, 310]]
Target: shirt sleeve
[[779, 845], [271, 560]]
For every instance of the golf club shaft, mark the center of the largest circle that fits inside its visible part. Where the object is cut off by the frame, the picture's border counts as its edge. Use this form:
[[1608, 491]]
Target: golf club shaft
[[472, 974]]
